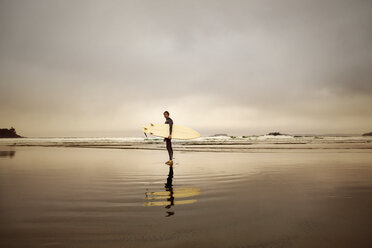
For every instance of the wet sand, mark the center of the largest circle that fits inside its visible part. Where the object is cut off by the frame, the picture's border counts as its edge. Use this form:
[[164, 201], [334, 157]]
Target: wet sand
[[89, 197]]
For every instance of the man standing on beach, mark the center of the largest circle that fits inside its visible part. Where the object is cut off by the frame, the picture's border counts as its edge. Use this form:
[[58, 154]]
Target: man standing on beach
[[169, 139]]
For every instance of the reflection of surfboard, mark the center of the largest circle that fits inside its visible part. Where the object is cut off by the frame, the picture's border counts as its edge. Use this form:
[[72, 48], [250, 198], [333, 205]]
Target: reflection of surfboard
[[172, 197], [176, 193], [165, 203], [178, 132]]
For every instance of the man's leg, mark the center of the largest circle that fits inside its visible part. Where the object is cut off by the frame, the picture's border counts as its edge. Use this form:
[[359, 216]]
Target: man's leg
[[169, 148]]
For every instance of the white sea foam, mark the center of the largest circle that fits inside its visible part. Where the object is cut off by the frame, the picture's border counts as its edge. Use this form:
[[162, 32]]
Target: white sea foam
[[276, 137], [267, 139]]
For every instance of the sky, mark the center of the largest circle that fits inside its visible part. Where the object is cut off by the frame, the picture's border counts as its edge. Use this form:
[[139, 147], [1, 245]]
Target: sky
[[105, 68]]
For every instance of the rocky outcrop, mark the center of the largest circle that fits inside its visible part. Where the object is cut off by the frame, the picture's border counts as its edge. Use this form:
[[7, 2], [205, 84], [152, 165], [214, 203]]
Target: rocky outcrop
[[9, 133], [275, 133]]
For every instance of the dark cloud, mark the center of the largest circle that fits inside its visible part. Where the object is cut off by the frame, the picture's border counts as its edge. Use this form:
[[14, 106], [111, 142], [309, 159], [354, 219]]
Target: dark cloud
[[82, 59]]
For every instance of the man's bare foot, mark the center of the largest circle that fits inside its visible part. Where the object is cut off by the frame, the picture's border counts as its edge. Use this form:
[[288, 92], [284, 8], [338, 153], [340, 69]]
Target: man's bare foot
[[170, 162]]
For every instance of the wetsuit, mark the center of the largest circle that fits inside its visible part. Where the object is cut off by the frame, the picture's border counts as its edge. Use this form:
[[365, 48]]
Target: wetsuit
[[168, 141]]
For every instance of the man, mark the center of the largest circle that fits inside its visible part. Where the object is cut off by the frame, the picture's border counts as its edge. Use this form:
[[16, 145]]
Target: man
[[168, 140]]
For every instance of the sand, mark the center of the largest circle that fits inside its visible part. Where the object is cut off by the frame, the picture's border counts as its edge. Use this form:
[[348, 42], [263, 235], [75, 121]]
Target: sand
[[90, 197]]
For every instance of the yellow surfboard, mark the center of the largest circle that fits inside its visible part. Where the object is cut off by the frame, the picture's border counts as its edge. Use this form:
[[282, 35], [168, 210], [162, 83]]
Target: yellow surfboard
[[178, 132]]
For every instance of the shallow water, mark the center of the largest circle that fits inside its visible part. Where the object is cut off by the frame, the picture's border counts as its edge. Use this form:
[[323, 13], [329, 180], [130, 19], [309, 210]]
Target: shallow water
[[86, 197]]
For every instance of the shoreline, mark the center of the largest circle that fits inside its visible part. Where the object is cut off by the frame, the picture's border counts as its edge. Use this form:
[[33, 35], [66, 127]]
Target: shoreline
[[216, 148], [205, 144]]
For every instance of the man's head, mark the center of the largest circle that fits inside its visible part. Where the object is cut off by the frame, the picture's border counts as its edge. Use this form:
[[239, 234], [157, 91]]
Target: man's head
[[166, 114]]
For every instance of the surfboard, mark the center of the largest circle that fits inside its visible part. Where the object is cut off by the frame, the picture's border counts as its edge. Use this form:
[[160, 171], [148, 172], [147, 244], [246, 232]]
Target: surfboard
[[178, 131]]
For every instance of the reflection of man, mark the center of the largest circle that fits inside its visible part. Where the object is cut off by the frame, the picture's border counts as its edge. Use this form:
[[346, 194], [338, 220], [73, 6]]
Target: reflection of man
[[168, 140], [169, 187]]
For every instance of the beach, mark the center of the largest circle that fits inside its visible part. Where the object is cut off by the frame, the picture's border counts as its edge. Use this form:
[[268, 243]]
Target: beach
[[57, 196], [263, 109]]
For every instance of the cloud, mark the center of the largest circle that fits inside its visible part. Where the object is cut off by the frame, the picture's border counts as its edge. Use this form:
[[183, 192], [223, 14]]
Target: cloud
[[239, 66]]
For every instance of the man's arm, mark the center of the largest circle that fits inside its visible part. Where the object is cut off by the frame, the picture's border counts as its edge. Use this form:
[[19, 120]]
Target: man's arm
[[170, 126]]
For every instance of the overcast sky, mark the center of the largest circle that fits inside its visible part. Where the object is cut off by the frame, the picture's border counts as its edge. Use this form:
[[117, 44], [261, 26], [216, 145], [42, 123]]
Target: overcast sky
[[105, 68]]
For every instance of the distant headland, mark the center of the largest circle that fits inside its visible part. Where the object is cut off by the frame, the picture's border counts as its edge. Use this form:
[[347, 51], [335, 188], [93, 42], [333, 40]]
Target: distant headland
[[9, 133], [367, 134]]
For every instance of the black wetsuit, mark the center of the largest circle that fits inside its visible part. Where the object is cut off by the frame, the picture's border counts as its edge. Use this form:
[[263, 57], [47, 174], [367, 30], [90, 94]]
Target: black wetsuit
[[168, 141]]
